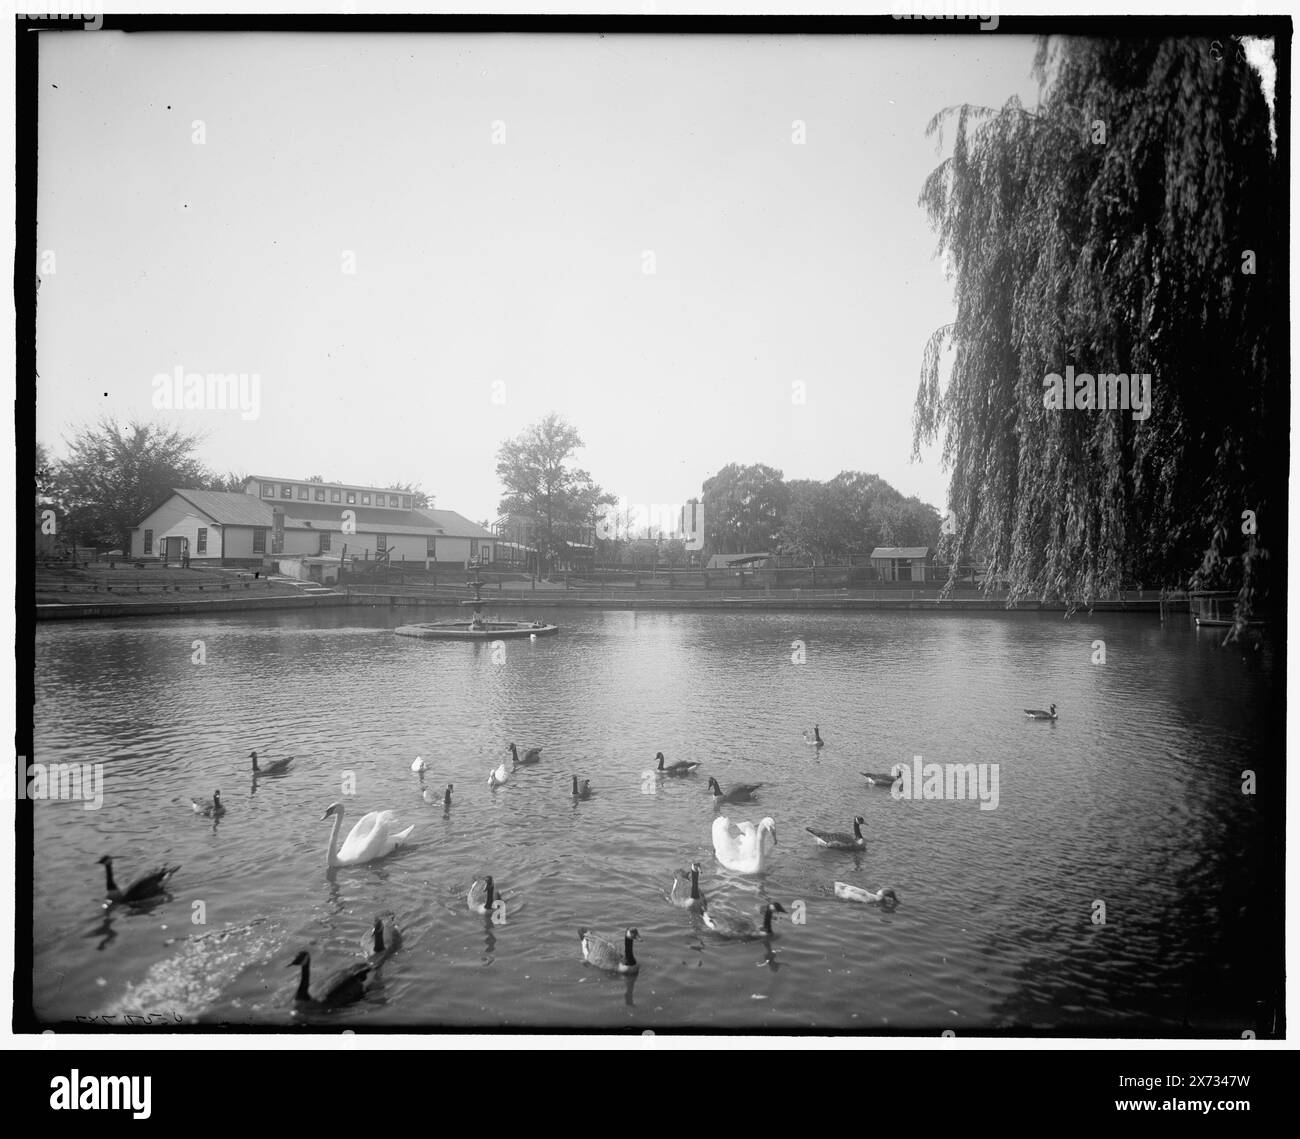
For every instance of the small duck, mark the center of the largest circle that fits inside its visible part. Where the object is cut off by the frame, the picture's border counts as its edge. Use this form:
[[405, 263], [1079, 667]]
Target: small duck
[[878, 780], [604, 954], [419, 765], [431, 796], [681, 767], [838, 840], [498, 775], [213, 810], [858, 894], [275, 767], [686, 888], [736, 793], [344, 987], [815, 740], [482, 896], [1039, 714], [532, 755], [727, 923], [149, 885], [383, 939], [581, 790]]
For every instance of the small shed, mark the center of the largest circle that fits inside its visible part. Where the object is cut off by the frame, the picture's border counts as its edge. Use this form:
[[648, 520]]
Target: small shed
[[900, 563]]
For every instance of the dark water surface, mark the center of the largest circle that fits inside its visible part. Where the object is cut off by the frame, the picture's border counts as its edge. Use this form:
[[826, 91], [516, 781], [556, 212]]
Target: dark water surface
[[1133, 798]]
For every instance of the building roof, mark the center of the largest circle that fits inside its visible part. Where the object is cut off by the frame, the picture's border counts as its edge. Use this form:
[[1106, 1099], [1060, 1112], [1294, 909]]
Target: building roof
[[227, 509], [901, 552], [723, 561], [330, 485]]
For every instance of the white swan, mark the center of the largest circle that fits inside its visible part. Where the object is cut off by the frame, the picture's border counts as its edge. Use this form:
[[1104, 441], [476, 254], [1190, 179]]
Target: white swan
[[498, 775], [747, 852], [858, 894], [419, 764], [373, 837]]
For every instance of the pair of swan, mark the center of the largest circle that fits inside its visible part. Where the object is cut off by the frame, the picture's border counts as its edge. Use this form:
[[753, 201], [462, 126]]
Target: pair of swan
[[849, 893], [838, 840], [605, 953], [738, 926], [149, 885], [213, 810], [747, 852], [347, 985], [374, 836], [686, 888], [735, 792], [1039, 714], [815, 740], [274, 767]]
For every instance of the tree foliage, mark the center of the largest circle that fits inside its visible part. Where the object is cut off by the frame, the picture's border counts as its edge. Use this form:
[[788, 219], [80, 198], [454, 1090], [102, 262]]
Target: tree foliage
[[1109, 230], [556, 500], [744, 508]]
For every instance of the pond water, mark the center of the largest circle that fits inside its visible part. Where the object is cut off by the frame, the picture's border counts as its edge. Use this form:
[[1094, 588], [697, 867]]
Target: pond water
[[1129, 807]]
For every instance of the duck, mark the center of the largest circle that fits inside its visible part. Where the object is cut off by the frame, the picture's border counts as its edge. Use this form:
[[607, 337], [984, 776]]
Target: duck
[[532, 755], [344, 987], [149, 885], [815, 740], [374, 836], [686, 888], [1039, 714], [736, 793], [858, 894], [728, 923], [213, 810], [681, 767], [383, 939], [878, 780], [581, 790], [419, 764], [748, 852], [604, 954], [482, 895], [275, 767], [838, 840], [431, 796], [498, 776]]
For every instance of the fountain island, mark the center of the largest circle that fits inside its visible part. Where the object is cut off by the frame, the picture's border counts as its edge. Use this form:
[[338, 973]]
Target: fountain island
[[477, 628]]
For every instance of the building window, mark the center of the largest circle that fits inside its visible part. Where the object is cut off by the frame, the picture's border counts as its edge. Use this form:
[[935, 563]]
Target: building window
[[352, 498], [286, 491], [431, 547], [268, 490], [406, 502], [203, 540], [320, 495], [259, 541], [148, 541], [365, 500], [324, 541], [336, 496], [304, 492], [392, 500], [473, 547], [381, 542]]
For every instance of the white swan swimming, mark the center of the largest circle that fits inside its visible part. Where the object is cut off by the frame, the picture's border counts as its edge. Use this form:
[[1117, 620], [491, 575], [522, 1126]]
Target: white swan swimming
[[419, 764], [374, 836], [858, 894], [749, 851], [498, 775]]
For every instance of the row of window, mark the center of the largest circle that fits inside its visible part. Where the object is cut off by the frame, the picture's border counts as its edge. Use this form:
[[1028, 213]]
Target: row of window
[[305, 494], [259, 543]]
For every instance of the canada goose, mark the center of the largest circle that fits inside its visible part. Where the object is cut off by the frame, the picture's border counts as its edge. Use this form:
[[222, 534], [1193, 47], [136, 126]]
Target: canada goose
[[728, 923], [343, 987], [213, 810], [532, 755], [681, 767], [838, 840], [1039, 714], [686, 888], [815, 740], [747, 852], [879, 780], [483, 897], [374, 836], [149, 885], [604, 954], [275, 767], [736, 793], [383, 939], [581, 790], [431, 796]]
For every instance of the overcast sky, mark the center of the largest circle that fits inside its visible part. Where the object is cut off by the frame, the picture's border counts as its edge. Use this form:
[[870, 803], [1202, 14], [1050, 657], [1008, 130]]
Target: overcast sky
[[519, 262]]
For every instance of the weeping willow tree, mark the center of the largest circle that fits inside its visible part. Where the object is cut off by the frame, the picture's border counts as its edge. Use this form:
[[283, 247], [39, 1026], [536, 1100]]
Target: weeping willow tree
[[1133, 223]]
